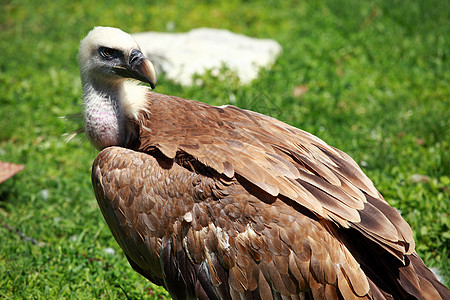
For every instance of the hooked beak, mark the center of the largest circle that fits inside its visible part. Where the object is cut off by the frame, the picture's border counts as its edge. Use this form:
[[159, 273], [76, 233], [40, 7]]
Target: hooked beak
[[139, 67]]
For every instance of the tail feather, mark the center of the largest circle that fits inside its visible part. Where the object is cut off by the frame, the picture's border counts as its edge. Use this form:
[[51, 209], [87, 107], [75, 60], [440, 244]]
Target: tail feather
[[390, 277], [429, 285], [413, 281]]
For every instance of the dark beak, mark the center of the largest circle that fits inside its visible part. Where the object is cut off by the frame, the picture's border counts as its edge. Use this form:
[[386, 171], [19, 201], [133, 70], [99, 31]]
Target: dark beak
[[139, 67]]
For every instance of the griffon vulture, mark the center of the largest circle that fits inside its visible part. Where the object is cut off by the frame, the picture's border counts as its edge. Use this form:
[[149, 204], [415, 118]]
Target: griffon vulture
[[225, 203]]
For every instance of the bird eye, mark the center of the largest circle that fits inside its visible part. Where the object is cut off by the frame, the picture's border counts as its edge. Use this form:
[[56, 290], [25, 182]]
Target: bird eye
[[107, 52]]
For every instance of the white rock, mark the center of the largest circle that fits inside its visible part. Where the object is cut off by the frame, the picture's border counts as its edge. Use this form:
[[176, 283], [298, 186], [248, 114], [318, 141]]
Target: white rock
[[417, 178], [181, 55], [44, 194], [109, 251]]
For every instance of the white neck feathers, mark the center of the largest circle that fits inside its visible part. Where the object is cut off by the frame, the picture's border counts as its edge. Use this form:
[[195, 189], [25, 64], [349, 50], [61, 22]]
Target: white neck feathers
[[133, 98]]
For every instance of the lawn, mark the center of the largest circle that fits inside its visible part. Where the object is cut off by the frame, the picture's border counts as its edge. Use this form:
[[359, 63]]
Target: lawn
[[374, 76]]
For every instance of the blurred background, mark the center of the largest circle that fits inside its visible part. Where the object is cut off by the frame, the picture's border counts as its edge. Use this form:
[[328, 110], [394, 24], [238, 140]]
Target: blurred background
[[368, 77]]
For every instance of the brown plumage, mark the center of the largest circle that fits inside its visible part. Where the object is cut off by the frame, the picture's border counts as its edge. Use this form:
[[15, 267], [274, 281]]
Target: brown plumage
[[224, 203]]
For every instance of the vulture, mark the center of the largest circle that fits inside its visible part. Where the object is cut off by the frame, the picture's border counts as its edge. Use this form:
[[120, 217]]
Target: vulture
[[225, 203]]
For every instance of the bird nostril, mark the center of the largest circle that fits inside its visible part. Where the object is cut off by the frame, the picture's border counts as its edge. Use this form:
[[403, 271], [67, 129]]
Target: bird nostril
[[135, 55]]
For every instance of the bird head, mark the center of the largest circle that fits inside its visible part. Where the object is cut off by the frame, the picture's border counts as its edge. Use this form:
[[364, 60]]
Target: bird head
[[109, 56]]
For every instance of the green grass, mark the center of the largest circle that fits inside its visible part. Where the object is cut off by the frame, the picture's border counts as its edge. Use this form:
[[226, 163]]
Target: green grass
[[377, 78]]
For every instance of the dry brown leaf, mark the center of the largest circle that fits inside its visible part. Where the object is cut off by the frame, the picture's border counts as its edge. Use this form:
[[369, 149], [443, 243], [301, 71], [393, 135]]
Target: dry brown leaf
[[8, 170], [299, 90]]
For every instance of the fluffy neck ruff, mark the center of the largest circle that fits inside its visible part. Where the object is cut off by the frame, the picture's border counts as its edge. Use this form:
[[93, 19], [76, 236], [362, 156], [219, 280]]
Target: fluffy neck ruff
[[110, 109]]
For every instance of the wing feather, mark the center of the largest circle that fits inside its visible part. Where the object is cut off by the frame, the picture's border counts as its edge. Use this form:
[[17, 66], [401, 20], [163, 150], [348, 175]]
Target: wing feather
[[277, 158]]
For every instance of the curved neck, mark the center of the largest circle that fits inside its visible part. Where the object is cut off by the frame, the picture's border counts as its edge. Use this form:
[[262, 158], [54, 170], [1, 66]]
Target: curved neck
[[103, 114]]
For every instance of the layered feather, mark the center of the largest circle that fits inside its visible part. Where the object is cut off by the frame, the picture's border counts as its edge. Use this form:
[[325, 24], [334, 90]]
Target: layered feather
[[219, 202]]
